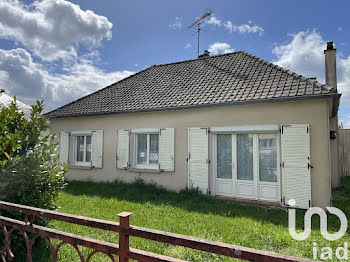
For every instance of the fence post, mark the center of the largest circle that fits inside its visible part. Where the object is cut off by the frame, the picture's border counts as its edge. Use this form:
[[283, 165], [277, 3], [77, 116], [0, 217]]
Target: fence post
[[124, 221]]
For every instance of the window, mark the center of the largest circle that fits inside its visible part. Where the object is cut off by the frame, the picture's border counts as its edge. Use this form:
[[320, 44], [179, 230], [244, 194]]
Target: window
[[224, 156], [268, 158], [245, 170], [82, 150], [147, 150]]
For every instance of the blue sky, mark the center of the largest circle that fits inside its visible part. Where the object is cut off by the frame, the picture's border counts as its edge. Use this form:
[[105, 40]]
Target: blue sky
[[41, 59], [141, 33]]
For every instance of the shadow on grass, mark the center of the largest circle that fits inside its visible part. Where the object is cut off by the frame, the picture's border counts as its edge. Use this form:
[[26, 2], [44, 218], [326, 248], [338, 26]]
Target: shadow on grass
[[193, 201]]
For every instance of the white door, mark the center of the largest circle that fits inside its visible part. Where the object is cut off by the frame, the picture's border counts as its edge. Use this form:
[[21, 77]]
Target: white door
[[268, 167], [246, 166], [296, 174], [198, 159], [224, 165]]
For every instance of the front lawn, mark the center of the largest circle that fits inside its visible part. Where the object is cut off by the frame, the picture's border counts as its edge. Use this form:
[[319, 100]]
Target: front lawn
[[190, 214]]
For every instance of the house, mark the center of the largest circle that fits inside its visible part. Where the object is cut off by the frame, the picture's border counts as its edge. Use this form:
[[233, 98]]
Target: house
[[6, 101], [231, 125]]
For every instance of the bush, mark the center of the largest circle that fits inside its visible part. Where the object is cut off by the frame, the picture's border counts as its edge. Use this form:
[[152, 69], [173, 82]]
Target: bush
[[30, 172]]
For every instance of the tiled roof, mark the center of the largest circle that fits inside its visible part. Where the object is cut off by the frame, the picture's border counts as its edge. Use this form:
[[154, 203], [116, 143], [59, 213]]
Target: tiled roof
[[6, 101], [223, 79]]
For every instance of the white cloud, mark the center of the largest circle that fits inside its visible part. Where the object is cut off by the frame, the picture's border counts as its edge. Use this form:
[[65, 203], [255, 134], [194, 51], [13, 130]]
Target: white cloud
[[177, 24], [52, 29], [229, 26], [188, 45], [244, 28], [248, 28], [340, 29], [304, 55], [214, 21], [220, 48], [20, 74], [29, 80]]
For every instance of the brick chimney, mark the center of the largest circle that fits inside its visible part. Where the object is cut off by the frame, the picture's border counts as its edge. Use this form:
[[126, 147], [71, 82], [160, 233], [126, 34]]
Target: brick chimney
[[331, 67]]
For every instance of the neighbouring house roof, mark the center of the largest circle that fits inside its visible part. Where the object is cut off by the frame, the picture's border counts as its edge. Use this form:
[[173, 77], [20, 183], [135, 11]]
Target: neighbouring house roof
[[232, 78], [6, 101]]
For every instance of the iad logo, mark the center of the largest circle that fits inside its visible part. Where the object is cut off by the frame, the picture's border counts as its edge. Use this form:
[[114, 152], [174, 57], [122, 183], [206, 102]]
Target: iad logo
[[323, 222], [324, 253]]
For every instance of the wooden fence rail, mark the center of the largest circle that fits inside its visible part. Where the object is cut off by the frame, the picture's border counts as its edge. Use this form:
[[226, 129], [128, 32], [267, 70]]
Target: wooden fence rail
[[124, 229]]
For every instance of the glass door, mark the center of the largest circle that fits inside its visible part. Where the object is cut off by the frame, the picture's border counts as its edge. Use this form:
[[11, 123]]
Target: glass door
[[247, 166], [268, 167], [246, 175], [224, 185]]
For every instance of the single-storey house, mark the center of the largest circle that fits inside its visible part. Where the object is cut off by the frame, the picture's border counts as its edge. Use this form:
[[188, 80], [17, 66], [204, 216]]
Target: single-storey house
[[232, 125], [6, 101]]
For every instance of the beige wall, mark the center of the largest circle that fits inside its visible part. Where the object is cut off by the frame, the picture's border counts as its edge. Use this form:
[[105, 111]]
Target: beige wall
[[313, 112]]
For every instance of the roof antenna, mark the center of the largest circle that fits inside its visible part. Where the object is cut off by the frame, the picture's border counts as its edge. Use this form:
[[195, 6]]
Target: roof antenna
[[198, 23]]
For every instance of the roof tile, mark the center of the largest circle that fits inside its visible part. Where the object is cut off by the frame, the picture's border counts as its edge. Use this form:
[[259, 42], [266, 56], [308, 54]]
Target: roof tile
[[237, 77]]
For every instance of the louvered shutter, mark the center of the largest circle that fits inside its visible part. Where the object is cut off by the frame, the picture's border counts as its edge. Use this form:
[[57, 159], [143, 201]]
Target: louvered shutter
[[64, 146], [97, 148], [296, 175], [198, 158], [122, 149], [166, 149]]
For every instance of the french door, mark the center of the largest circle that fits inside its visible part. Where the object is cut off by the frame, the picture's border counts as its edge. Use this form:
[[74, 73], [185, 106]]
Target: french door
[[247, 166], [225, 165]]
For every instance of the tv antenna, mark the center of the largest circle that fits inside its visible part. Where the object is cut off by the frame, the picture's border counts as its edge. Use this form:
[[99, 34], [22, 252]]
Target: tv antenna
[[198, 23]]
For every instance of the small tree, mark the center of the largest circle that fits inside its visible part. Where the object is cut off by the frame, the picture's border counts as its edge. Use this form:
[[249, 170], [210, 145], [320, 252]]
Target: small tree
[[30, 172]]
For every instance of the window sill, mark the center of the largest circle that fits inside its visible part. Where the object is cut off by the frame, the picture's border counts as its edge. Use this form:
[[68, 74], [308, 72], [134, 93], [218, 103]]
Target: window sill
[[143, 170], [80, 167]]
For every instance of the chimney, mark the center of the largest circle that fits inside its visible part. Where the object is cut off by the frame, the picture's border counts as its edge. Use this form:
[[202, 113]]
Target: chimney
[[205, 54], [331, 67]]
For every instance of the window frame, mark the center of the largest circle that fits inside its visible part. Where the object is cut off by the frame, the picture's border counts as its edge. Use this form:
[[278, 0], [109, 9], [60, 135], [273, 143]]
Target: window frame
[[148, 165], [75, 141]]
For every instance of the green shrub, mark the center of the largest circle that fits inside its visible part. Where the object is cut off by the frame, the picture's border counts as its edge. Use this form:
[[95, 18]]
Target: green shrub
[[30, 172]]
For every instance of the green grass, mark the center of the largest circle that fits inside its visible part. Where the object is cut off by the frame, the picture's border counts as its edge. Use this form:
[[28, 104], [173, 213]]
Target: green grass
[[192, 214]]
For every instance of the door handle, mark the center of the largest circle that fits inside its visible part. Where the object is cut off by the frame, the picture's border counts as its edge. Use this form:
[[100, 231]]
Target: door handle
[[309, 166]]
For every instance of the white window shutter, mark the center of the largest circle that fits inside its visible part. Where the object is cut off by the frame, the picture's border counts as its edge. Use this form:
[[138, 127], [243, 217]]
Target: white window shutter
[[122, 149], [64, 146], [97, 148], [198, 169], [166, 149], [296, 171]]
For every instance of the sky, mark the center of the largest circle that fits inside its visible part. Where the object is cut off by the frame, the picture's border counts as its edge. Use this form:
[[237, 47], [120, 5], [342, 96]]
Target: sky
[[59, 51]]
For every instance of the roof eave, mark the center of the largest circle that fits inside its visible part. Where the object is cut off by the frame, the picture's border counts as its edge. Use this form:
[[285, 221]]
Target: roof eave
[[335, 96]]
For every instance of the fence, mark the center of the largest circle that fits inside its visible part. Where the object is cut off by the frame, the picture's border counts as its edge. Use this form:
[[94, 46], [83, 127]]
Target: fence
[[124, 229], [344, 151]]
